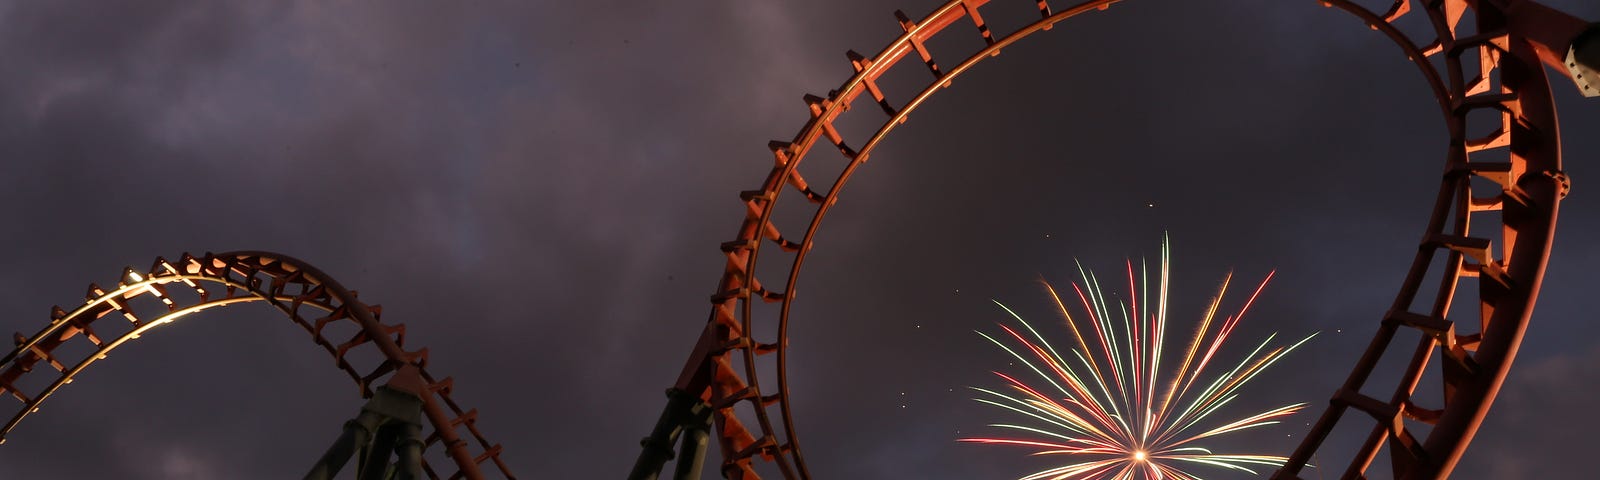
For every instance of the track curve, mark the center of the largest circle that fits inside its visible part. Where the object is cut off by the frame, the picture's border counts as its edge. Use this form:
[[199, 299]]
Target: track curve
[[194, 284], [1529, 184]]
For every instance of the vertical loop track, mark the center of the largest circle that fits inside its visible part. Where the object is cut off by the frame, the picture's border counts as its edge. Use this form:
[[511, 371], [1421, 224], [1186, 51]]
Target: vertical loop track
[[1528, 182]]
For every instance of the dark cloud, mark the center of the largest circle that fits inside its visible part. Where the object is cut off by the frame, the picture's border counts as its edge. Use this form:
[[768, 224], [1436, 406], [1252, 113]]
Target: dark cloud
[[1541, 406], [538, 190]]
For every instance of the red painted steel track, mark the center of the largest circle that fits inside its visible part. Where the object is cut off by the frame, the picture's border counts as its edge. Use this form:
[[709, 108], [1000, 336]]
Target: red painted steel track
[[1492, 241], [170, 291]]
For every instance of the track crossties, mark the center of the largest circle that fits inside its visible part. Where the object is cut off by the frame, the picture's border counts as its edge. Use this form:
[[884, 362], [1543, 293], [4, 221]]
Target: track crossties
[[310, 299], [1491, 226]]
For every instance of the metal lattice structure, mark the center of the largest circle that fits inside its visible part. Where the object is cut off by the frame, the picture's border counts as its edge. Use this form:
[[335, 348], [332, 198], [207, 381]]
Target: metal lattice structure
[[310, 298], [1490, 228]]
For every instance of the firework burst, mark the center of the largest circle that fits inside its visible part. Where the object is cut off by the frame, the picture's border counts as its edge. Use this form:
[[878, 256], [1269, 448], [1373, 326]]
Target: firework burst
[[1111, 405]]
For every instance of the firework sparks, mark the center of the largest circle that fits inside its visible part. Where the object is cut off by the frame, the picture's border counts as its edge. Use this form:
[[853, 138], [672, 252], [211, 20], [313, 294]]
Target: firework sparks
[[1110, 405]]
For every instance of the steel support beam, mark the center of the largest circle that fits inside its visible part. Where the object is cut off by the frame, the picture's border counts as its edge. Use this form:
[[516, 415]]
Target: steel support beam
[[685, 413], [389, 424], [692, 451], [356, 432]]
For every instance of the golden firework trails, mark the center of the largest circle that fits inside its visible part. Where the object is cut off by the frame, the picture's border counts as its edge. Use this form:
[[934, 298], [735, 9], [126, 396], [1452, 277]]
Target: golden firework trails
[[1110, 406]]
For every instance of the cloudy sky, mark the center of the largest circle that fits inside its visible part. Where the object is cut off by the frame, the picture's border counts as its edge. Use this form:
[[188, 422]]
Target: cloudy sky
[[538, 189]]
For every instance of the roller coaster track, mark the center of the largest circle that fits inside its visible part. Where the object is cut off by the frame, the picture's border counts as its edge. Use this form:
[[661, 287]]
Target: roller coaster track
[[170, 291], [1497, 241]]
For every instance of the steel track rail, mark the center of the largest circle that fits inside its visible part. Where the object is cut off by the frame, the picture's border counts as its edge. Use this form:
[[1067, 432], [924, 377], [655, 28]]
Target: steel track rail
[[289, 285], [1531, 184], [1475, 355]]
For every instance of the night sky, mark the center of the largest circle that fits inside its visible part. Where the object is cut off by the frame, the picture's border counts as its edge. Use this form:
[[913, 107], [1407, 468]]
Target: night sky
[[538, 189]]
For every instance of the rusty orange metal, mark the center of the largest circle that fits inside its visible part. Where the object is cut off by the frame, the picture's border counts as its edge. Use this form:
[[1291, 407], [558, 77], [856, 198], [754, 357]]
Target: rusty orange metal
[[1507, 48], [310, 298]]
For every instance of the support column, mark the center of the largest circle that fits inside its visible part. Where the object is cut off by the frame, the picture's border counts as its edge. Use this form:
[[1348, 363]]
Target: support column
[[692, 452], [357, 433], [683, 411], [389, 424]]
